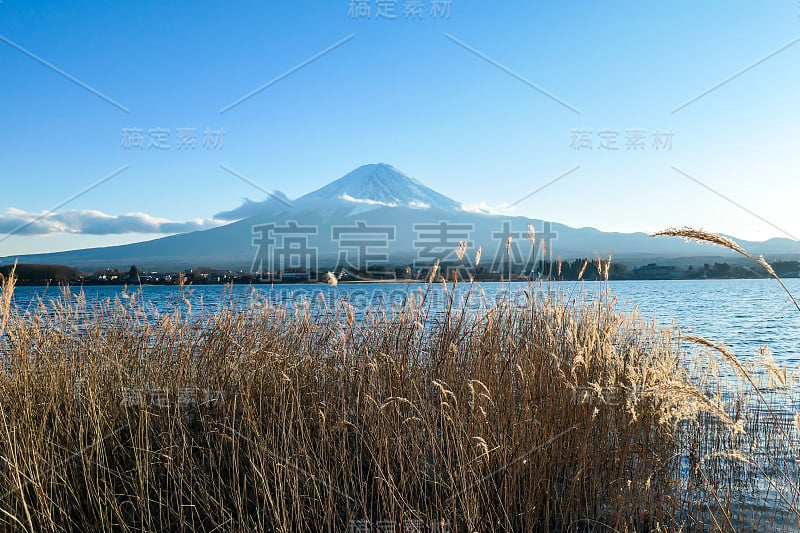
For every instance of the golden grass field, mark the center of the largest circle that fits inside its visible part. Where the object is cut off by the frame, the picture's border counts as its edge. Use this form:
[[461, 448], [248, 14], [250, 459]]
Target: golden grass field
[[558, 414]]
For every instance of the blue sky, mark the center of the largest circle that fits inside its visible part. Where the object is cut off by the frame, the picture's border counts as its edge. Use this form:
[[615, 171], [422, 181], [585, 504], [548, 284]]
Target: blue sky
[[425, 95]]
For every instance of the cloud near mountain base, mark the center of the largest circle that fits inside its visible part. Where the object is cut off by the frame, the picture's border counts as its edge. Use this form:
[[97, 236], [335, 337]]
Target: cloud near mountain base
[[90, 222], [276, 201]]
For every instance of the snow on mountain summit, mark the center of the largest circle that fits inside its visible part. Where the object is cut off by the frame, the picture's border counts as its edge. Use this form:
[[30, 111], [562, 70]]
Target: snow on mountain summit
[[382, 185]]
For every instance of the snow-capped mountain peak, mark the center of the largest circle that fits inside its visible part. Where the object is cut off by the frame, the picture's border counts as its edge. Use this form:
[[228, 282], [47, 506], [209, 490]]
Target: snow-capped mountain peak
[[382, 185]]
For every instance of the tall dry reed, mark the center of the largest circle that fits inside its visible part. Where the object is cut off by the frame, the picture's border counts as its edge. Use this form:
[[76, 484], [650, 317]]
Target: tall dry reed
[[542, 412]]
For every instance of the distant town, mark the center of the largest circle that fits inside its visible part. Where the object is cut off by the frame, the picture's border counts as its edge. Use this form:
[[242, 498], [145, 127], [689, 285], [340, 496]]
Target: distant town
[[586, 268]]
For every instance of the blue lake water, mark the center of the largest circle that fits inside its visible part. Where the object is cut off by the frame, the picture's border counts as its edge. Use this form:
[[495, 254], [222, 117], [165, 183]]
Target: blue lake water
[[745, 314]]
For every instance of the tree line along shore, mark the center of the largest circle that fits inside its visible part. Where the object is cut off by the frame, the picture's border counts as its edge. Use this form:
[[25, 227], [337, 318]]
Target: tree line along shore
[[594, 269]]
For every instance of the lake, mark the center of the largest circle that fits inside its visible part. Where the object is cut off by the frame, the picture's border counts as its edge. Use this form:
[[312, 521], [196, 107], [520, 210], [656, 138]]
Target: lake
[[743, 313]]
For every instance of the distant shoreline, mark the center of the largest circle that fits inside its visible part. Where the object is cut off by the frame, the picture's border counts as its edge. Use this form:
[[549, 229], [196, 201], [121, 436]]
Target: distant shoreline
[[585, 269], [376, 282]]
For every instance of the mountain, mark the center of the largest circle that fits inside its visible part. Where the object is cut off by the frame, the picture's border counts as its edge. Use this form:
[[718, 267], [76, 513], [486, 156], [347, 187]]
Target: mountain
[[380, 185], [377, 214]]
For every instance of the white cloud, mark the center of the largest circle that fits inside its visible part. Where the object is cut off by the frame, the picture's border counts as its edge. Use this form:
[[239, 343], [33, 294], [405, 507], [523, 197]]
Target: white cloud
[[485, 209], [276, 201], [91, 222]]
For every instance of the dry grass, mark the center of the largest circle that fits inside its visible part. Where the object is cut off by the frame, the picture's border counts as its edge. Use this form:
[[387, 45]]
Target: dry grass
[[556, 414]]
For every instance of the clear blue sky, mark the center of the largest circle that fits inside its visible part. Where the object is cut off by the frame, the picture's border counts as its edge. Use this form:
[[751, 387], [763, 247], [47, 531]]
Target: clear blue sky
[[401, 92]]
